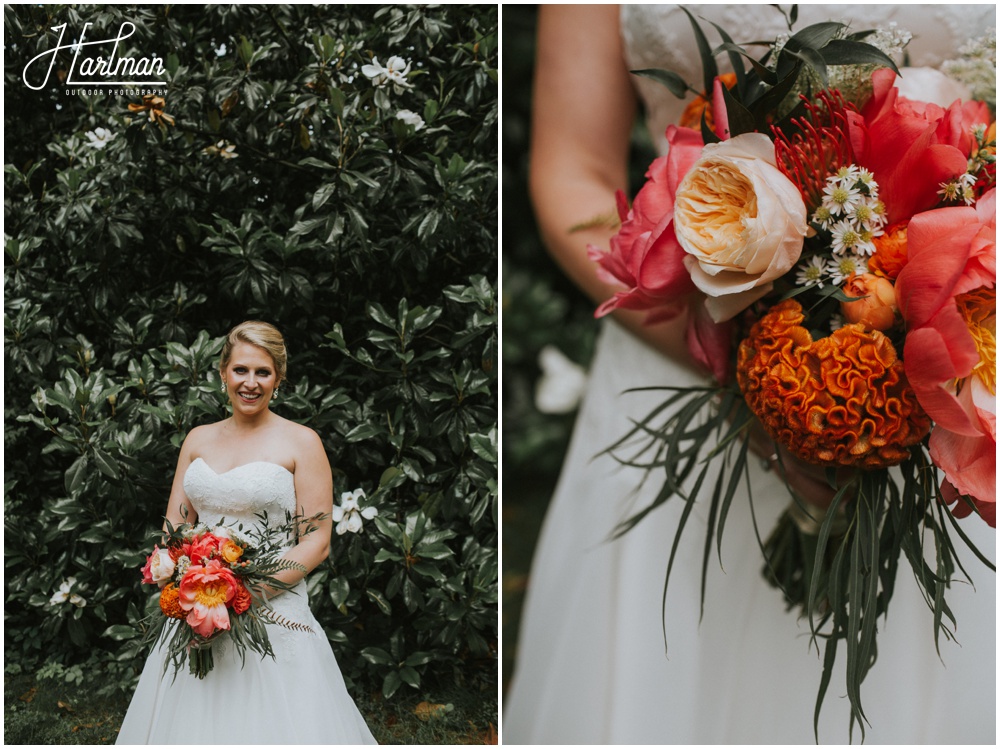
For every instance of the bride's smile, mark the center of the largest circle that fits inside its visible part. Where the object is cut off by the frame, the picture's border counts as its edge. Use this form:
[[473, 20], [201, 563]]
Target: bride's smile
[[250, 379]]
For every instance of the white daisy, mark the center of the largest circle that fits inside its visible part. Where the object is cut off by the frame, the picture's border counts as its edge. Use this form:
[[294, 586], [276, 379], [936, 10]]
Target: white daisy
[[845, 236], [840, 268], [811, 272]]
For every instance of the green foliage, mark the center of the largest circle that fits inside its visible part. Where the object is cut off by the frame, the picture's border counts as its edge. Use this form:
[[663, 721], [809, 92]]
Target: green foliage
[[285, 189]]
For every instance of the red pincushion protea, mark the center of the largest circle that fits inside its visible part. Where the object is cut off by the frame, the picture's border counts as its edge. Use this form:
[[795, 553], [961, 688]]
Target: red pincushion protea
[[819, 147]]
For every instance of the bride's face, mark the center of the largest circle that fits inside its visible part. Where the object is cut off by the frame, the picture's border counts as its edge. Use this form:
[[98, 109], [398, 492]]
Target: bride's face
[[250, 378]]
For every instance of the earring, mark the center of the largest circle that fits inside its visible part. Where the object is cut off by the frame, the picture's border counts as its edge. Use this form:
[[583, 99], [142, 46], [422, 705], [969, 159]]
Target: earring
[[223, 386], [274, 393]]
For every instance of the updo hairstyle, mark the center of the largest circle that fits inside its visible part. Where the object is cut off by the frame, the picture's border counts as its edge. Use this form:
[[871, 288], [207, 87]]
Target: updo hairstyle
[[262, 335]]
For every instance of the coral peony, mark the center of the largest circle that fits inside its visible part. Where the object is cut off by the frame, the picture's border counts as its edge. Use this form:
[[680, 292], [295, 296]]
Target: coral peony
[[840, 401], [741, 221], [947, 297], [912, 147], [205, 592], [201, 547], [645, 255]]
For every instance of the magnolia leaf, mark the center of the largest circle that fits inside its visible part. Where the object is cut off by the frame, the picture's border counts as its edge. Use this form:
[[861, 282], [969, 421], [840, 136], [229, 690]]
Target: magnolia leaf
[[120, 632], [76, 475]]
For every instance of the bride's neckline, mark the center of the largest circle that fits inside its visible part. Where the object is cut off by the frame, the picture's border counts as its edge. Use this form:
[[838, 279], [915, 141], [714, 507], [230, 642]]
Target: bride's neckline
[[244, 465]]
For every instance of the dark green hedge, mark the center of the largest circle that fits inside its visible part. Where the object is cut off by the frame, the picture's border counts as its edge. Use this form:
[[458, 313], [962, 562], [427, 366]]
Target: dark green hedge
[[370, 242]]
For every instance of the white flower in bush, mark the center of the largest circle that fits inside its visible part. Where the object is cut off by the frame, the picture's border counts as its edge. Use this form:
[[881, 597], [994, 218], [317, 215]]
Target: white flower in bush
[[223, 149], [100, 137], [394, 72], [410, 118], [348, 514], [63, 594], [562, 383]]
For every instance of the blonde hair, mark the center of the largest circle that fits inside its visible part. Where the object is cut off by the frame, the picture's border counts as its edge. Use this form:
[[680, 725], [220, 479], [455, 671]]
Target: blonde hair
[[262, 335]]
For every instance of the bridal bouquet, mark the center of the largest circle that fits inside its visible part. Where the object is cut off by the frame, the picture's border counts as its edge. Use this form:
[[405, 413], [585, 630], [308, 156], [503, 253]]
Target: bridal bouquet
[[833, 244], [212, 582]]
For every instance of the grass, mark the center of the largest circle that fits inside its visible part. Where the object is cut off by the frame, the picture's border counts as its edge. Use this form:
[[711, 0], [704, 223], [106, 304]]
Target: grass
[[46, 711]]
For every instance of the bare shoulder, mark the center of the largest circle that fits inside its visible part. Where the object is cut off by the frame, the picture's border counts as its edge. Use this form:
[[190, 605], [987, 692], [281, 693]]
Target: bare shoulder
[[200, 436], [305, 441]]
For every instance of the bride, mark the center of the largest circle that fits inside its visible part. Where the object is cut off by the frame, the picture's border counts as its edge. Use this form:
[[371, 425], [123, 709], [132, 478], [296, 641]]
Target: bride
[[252, 462], [590, 664]]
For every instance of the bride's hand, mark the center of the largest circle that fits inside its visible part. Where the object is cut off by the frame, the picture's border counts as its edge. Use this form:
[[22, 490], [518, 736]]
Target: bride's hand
[[807, 481]]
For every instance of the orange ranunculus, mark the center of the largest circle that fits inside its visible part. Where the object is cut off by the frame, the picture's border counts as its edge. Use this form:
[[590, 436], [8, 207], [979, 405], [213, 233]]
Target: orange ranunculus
[[206, 590], [840, 401], [692, 114], [875, 302], [242, 599], [170, 602], [230, 551], [890, 252]]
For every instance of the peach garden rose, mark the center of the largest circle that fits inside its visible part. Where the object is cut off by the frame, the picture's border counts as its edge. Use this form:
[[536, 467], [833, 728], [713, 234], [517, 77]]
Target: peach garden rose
[[740, 221]]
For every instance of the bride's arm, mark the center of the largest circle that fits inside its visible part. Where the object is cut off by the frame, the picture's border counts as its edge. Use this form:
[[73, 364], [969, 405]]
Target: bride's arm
[[582, 117], [179, 508], [314, 493]]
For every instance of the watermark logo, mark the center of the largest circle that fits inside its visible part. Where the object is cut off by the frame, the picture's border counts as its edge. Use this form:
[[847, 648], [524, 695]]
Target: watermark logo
[[90, 68]]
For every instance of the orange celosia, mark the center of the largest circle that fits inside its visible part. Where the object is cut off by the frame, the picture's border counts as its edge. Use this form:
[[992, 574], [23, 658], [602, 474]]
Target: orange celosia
[[840, 401], [692, 114], [890, 252], [170, 603]]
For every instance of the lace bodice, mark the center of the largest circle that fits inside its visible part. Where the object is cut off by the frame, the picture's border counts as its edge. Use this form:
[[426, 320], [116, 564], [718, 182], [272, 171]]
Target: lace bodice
[[239, 494], [660, 36]]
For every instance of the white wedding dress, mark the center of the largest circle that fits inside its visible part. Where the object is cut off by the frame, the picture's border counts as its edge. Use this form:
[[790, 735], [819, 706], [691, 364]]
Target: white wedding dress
[[298, 697], [590, 664]]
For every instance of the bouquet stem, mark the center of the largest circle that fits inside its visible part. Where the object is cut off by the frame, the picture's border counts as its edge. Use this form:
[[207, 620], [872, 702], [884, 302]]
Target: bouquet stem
[[200, 659], [790, 554]]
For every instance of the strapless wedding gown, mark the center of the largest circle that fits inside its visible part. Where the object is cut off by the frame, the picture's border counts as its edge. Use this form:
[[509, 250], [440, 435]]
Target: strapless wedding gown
[[298, 697], [591, 666]]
